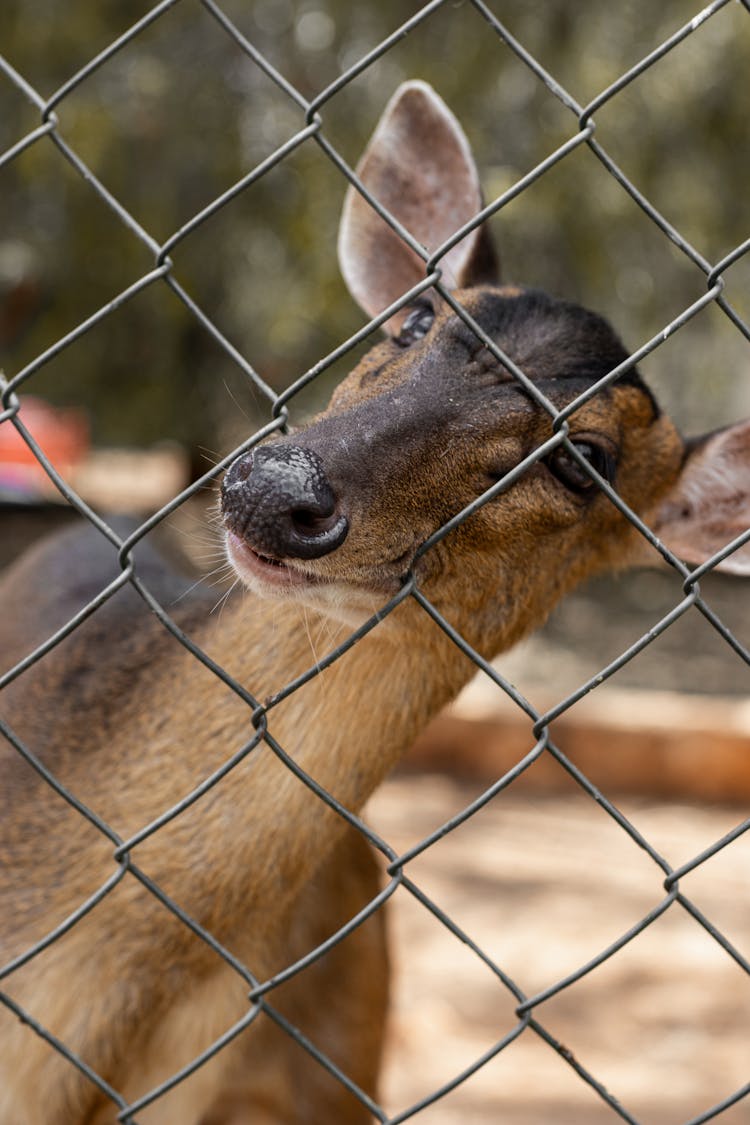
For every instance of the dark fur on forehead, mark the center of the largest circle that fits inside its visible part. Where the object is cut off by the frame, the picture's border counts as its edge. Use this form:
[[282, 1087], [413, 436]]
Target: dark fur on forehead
[[553, 339]]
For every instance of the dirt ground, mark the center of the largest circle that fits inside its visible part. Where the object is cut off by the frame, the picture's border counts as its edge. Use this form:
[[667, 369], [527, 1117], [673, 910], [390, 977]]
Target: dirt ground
[[543, 885]]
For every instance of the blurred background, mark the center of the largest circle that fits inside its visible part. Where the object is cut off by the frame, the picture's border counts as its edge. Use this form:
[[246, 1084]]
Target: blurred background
[[181, 113], [147, 400]]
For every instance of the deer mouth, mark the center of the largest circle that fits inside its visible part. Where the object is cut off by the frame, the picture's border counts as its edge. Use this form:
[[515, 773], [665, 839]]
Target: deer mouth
[[262, 571], [275, 578]]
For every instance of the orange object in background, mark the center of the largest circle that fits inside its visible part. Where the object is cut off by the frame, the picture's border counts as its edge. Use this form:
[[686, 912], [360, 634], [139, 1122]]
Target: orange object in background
[[61, 433]]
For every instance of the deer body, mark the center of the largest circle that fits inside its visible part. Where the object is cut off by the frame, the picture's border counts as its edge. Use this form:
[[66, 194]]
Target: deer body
[[322, 525]]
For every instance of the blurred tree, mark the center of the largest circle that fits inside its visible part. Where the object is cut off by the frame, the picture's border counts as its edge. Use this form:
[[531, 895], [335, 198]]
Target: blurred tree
[[181, 113]]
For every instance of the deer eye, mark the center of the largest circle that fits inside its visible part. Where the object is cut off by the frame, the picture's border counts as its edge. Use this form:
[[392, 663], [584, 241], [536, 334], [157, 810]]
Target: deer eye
[[417, 324], [567, 470]]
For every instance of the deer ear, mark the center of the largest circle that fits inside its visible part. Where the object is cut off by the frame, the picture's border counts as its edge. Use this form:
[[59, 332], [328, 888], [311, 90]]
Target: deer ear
[[709, 506], [419, 166]]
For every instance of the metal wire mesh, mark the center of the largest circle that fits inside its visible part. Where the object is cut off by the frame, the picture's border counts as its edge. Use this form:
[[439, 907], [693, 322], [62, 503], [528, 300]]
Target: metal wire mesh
[[530, 1010]]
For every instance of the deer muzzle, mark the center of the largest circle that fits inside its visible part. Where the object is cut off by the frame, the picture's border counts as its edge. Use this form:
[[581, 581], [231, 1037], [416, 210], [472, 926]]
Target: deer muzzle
[[279, 501]]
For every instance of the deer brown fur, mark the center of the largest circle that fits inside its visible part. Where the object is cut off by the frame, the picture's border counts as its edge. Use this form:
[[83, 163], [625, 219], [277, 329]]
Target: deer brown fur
[[323, 525]]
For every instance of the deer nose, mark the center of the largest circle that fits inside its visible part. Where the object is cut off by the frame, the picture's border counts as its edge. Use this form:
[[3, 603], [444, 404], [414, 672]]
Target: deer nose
[[280, 501]]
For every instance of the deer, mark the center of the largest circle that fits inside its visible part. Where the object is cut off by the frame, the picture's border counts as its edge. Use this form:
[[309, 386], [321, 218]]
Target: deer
[[324, 525]]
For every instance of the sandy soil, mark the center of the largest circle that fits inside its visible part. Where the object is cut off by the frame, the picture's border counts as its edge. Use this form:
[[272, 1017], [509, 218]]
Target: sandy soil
[[543, 885]]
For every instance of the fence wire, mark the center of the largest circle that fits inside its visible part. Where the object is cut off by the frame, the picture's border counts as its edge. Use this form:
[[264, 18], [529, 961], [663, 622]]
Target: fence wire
[[530, 1010]]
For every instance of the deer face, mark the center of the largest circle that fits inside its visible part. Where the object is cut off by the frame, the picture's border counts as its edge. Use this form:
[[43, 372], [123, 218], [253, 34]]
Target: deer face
[[427, 422]]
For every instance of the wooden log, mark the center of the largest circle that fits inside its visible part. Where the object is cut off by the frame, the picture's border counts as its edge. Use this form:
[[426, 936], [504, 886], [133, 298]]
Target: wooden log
[[655, 744]]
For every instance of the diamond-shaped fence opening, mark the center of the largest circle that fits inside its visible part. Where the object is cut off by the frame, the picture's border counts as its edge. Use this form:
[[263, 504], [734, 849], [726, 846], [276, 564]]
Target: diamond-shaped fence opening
[[171, 187]]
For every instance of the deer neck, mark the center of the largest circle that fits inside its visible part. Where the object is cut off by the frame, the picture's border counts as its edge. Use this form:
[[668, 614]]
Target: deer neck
[[350, 722], [345, 728]]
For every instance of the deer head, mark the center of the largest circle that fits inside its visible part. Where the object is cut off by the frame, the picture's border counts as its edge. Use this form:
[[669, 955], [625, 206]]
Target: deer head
[[434, 416]]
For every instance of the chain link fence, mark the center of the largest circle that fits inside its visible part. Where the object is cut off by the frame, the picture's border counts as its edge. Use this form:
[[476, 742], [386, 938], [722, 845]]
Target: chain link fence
[[311, 113]]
